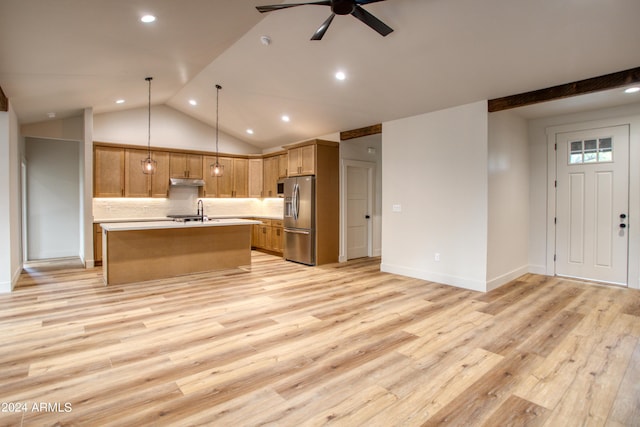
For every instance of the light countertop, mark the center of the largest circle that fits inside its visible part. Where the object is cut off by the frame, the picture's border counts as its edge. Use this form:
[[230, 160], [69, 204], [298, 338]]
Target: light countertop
[[150, 225], [164, 218]]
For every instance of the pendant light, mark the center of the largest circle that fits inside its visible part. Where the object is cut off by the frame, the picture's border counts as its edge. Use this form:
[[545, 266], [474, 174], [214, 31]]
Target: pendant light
[[216, 169], [148, 164]]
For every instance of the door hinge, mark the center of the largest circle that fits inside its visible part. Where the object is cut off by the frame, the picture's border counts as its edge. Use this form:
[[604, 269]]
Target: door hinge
[[554, 257], [555, 184], [555, 220], [555, 146]]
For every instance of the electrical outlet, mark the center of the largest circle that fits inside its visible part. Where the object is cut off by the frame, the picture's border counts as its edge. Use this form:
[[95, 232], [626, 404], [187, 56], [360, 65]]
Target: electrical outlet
[[436, 257], [396, 208]]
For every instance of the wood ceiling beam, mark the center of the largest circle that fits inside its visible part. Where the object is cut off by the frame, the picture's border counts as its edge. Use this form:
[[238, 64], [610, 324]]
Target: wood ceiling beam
[[357, 133], [4, 102], [581, 87]]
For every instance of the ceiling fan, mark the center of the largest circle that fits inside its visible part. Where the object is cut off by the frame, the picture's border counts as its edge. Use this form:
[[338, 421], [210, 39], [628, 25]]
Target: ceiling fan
[[338, 7]]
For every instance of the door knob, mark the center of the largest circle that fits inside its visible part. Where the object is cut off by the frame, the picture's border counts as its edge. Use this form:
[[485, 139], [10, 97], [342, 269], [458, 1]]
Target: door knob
[[367, 216], [623, 216], [623, 225]]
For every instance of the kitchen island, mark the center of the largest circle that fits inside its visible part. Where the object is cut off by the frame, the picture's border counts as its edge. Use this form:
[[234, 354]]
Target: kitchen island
[[140, 251]]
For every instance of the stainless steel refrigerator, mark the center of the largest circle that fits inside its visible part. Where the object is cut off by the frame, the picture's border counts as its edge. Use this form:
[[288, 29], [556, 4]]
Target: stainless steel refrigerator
[[299, 219]]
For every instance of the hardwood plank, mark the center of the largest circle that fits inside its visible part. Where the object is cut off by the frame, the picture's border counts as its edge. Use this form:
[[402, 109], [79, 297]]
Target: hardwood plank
[[626, 408], [517, 412], [278, 343], [486, 395]]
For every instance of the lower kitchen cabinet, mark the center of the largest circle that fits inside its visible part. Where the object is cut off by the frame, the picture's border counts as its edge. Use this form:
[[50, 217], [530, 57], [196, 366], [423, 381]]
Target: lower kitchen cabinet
[[97, 244], [268, 236]]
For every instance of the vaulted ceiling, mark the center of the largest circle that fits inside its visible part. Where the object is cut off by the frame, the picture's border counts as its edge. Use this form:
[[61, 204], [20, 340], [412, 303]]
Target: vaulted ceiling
[[62, 56]]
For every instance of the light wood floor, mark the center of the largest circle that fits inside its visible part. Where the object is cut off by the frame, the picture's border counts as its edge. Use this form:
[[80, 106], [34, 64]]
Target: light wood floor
[[286, 345]]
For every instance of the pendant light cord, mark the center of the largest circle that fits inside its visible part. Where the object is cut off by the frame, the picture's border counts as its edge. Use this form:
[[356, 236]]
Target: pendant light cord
[[218, 87], [149, 118]]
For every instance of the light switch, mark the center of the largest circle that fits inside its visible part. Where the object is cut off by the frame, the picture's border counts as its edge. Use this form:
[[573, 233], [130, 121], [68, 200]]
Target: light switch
[[396, 208]]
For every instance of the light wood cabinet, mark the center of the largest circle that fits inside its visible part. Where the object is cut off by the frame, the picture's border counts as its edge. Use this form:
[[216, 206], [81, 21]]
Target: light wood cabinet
[[160, 179], [277, 236], [97, 244], [271, 176], [268, 236], [108, 171], [184, 165], [138, 184], [283, 165], [210, 182], [301, 160], [256, 178], [234, 181]]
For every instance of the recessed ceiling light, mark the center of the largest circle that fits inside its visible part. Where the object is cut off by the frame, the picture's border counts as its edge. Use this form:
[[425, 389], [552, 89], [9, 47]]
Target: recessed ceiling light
[[265, 40], [120, 101], [250, 131], [632, 89], [340, 75], [51, 115], [193, 102], [286, 118], [148, 19]]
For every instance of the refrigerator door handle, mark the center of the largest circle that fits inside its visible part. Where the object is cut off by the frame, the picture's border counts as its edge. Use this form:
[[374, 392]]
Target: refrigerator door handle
[[296, 201], [287, 230]]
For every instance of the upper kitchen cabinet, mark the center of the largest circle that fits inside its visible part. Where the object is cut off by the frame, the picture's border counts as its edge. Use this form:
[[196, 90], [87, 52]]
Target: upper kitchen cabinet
[[234, 181], [306, 158], [283, 165], [210, 182], [138, 184], [270, 176], [256, 167], [301, 159], [160, 179], [184, 165], [108, 171]]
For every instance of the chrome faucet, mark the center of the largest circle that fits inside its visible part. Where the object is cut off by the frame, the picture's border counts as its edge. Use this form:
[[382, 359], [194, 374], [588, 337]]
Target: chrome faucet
[[200, 211]]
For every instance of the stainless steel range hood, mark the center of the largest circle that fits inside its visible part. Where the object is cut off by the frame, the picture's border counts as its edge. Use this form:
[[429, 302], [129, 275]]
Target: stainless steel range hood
[[187, 182]]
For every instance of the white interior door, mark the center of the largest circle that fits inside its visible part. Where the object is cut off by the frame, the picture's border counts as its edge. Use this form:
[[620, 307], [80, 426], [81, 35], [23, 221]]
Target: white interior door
[[358, 212], [592, 202]]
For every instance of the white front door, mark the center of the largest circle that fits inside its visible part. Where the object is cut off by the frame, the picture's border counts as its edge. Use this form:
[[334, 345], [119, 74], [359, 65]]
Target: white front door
[[592, 203], [358, 215]]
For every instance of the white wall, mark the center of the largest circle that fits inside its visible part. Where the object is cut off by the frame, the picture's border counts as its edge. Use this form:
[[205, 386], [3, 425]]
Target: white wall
[[53, 198], [169, 129], [540, 242], [10, 221], [86, 190], [435, 168], [508, 230], [357, 149]]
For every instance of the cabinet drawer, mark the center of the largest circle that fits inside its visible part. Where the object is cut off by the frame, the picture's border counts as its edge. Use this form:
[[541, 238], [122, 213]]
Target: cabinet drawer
[[277, 223]]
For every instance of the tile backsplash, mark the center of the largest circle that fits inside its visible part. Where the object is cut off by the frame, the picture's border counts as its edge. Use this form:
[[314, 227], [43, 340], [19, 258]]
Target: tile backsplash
[[183, 200]]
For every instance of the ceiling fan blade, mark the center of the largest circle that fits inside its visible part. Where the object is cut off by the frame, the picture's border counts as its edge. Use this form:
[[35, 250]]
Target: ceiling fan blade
[[361, 2], [272, 7], [323, 28], [373, 22]]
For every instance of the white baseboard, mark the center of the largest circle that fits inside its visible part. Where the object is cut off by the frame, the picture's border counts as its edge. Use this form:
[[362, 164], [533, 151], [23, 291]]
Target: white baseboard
[[460, 282], [506, 278]]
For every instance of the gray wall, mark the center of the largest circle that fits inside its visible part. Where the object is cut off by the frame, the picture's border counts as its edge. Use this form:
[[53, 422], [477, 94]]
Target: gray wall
[[53, 198]]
